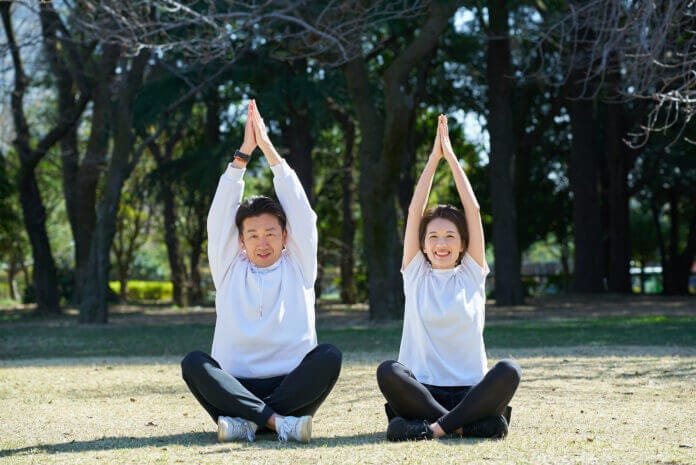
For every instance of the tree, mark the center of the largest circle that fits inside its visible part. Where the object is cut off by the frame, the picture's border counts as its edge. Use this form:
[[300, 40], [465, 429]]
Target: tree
[[383, 141], [132, 227], [349, 292], [31, 151], [211, 30], [667, 174], [508, 288], [651, 44]]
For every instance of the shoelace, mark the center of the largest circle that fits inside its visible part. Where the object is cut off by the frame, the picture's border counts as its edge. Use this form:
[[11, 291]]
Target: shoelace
[[284, 430], [289, 429], [242, 429]]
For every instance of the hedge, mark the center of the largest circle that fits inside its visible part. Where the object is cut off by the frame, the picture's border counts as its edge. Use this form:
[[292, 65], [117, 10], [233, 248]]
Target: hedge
[[145, 290]]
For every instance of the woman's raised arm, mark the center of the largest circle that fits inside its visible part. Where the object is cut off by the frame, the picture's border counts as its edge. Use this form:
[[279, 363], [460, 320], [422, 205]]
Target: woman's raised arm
[[419, 201], [477, 246]]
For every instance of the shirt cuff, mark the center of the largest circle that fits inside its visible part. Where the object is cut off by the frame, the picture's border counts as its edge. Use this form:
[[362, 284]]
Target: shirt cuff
[[234, 174], [282, 169]]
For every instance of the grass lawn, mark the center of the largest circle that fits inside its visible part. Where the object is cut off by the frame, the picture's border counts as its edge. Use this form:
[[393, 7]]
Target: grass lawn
[[601, 390]]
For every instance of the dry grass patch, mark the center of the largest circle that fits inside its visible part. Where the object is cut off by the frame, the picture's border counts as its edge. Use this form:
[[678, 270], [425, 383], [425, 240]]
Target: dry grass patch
[[575, 406]]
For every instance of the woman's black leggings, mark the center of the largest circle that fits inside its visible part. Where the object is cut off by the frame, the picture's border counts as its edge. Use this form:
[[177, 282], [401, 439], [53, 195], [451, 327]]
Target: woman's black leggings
[[451, 407], [298, 393]]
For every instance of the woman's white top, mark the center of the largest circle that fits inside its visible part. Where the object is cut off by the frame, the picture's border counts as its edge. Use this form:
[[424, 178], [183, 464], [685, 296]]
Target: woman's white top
[[265, 316], [442, 340]]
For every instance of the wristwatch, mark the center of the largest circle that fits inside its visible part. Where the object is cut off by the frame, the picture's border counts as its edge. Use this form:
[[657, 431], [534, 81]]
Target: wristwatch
[[242, 156]]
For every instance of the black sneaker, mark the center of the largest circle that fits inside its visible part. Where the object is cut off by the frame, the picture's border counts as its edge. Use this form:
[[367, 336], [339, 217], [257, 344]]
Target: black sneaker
[[400, 429], [489, 427]]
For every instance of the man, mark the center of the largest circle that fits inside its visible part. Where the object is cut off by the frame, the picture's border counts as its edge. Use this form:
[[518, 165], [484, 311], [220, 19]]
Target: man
[[266, 369]]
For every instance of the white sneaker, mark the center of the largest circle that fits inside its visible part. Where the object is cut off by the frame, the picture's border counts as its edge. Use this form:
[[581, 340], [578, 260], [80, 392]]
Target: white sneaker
[[294, 428], [236, 429]]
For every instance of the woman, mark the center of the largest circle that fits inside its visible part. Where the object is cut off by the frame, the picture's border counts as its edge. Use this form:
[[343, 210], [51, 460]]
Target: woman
[[440, 386]]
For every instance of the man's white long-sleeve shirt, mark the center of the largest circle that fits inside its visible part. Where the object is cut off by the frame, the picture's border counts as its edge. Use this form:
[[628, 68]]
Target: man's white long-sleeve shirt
[[265, 316]]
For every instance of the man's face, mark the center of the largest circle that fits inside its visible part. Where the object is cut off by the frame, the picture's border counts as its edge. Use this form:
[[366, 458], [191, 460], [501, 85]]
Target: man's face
[[263, 239]]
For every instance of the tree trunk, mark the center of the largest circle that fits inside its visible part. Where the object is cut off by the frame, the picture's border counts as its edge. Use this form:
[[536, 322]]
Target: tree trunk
[[93, 307], [508, 281], [348, 291], [44, 276], [33, 210], [298, 136], [123, 280], [407, 180], [195, 292], [618, 161], [584, 182], [377, 202], [171, 239], [300, 142], [80, 178], [12, 271]]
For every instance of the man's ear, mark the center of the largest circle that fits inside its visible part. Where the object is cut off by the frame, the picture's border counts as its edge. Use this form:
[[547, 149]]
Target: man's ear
[[285, 237], [241, 239]]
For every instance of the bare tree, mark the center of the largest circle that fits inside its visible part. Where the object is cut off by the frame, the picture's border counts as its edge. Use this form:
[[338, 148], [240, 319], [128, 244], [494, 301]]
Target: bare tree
[[207, 30], [652, 45]]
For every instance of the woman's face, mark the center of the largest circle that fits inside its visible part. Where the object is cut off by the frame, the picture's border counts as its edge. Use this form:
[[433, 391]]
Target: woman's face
[[442, 244]]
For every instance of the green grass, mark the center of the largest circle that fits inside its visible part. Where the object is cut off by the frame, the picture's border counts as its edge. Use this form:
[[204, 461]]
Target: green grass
[[35, 339]]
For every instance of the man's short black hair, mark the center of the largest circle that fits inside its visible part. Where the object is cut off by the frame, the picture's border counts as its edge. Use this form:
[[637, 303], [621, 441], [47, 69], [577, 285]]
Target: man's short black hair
[[257, 205]]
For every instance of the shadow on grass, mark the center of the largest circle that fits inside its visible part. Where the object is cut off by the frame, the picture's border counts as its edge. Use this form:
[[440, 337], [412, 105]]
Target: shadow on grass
[[109, 443], [264, 441]]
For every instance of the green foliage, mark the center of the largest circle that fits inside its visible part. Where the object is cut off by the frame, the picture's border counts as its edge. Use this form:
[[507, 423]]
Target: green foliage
[[145, 291], [14, 245]]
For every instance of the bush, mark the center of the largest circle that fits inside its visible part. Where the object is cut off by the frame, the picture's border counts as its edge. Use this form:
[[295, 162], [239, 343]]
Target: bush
[[145, 290]]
